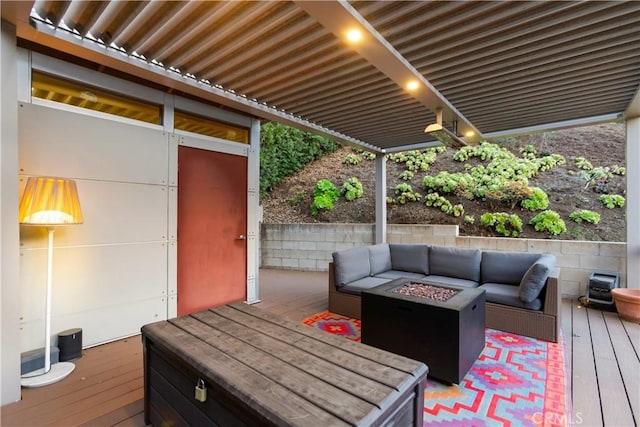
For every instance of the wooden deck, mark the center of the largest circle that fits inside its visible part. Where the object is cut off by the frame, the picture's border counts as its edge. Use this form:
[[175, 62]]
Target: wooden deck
[[601, 351]]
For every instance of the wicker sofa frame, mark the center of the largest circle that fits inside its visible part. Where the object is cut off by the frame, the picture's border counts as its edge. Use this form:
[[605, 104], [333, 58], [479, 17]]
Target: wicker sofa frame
[[544, 324]]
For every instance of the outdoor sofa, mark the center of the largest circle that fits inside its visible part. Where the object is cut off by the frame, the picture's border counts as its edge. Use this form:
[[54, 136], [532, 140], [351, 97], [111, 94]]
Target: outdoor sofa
[[522, 293]]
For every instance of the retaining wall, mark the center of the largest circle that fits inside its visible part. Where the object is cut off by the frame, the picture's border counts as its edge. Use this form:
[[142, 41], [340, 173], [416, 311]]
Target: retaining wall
[[309, 247]]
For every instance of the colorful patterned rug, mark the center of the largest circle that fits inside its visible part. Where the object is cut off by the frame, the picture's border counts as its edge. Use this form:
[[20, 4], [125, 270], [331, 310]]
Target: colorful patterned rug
[[516, 381]]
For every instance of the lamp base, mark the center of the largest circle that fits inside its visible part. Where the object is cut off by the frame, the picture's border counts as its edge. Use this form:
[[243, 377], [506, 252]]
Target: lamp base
[[57, 372]]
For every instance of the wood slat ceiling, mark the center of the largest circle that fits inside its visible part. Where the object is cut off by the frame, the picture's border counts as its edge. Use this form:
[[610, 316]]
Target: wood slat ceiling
[[503, 65]]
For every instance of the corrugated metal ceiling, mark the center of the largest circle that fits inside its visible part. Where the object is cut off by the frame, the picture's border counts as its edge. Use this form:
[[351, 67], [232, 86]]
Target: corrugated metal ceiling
[[503, 65]]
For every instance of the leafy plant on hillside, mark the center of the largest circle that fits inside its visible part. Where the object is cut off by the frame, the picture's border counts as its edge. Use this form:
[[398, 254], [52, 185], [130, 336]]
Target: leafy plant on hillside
[[618, 170], [406, 175], [437, 201], [537, 201], [612, 200], [503, 168], [461, 184], [584, 215], [352, 189], [366, 155], [324, 195], [469, 219], [549, 221], [509, 225], [528, 152], [404, 193], [296, 199], [352, 159], [417, 160], [510, 194], [285, 150], [582, 163]]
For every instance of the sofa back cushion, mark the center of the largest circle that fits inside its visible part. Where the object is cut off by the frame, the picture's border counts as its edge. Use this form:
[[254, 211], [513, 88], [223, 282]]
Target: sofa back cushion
[[462, 263], [536, 277], [351, 264], [413, 258], [379, 258], [506, 268]]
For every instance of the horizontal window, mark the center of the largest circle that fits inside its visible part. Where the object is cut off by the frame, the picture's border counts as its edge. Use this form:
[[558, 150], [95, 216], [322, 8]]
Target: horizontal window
[[204, 126], [78, 94]]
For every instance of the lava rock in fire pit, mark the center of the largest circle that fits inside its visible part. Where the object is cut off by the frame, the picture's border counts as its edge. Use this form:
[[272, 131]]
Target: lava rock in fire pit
[[422, 290]]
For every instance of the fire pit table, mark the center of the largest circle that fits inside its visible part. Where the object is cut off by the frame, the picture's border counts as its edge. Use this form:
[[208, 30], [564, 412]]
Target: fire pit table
[[442, 326]]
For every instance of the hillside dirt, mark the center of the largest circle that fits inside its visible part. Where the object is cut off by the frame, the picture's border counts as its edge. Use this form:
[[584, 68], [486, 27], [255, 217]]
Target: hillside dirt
[[602, 145]]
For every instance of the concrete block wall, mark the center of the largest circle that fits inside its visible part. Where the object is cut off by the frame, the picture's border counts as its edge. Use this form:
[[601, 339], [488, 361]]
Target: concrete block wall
[[309, 247]]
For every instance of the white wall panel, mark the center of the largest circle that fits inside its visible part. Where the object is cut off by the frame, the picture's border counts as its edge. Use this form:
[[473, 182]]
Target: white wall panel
[[106, 290], [113, 212], [60, 143], [213, 144]]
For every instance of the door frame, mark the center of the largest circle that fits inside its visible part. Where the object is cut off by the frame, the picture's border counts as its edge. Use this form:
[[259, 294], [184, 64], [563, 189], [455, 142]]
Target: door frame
[[252, 152]]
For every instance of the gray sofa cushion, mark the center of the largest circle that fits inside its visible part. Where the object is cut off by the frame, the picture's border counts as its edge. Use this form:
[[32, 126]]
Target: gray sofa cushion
[[508, 295], [445, 280], [413, 258], [506, 267], [462, 263], [351, 264], [356, 287], [536, 277], [379, 258], [395, 274]]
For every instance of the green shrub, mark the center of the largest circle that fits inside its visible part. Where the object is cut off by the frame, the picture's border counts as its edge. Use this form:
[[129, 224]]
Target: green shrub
[[469, 219], [324, 195], [584, 164], [458, 210], [368, 155], [406, 175], [352, 189], [437, 201], [416, 160], [583, 215], [549, 221], [503, 223], [511, 194], [461, 184], [285, 150], [537, 201], [612, 200], [352, 159], [528, 152], [618, 170], [404, 193], [295, 200]]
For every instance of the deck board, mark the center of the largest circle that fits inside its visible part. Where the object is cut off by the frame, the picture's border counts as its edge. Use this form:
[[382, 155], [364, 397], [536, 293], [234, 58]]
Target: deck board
[[106, 387], [629, 366], [614, 412], [585, 393]]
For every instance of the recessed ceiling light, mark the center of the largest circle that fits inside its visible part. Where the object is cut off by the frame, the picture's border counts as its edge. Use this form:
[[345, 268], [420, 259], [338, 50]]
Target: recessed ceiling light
[[469, 134], [354, 35], [413, 85]]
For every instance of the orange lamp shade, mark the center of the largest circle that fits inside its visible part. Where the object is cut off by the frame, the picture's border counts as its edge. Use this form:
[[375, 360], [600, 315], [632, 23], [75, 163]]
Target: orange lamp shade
[[50, 201]]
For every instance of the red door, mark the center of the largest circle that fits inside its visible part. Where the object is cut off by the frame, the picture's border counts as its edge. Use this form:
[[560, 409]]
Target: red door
[[212, 222]]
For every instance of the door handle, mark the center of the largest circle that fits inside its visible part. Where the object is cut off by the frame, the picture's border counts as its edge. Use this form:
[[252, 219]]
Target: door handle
[[242, 237]]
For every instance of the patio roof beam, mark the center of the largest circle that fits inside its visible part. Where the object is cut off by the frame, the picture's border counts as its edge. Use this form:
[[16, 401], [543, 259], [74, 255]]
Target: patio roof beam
[[548, 127], [340, 17]]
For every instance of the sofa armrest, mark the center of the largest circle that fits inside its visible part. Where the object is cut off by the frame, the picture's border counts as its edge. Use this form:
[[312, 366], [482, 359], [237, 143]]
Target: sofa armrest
[[332, 276], [552, 298]]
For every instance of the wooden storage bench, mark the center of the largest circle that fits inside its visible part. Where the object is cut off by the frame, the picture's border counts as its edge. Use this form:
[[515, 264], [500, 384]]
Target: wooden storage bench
[[259, 369]]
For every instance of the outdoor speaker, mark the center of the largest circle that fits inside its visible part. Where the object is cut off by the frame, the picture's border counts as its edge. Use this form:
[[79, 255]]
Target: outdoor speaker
[[70, 344]]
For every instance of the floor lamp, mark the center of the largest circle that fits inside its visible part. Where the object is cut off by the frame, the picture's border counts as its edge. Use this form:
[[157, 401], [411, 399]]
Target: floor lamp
[[49, 202]]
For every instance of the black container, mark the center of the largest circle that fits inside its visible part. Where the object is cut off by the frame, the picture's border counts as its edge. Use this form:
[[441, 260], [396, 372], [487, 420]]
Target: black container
[[70, 344], [600, 285]]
